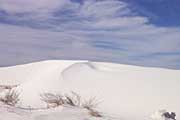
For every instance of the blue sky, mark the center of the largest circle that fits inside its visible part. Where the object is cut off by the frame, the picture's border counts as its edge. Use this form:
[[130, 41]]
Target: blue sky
[[159, 12], [137, 32]]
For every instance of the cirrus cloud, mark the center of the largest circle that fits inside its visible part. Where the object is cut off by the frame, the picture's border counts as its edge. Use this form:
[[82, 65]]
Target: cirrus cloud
[[27, 6]]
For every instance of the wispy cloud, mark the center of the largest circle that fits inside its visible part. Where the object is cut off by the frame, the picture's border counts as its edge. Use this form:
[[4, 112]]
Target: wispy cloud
[[14, 7], [106, 30]]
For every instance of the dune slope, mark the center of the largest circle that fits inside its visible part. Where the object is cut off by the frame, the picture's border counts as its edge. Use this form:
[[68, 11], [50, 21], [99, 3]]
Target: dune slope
[[130, 92]]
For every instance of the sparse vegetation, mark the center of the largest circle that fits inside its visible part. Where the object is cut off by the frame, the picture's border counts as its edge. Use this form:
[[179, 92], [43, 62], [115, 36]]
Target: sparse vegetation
[[171, 115], [8, 86], [10, 98], [94, 113], [74, 99], [90, 103], [52, 100]]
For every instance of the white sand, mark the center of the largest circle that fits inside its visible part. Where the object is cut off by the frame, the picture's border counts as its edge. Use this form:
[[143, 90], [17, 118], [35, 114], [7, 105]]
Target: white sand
[[129, 92]]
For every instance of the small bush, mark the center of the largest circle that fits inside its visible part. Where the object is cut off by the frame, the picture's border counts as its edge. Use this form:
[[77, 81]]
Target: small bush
[[10, 98], [90, 103], [163, 115], [94, 113], [8, 86], [73, 99], [52, 100], [171, 115]]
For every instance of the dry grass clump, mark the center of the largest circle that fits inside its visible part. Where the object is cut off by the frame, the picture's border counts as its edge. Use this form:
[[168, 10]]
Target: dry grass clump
[[55, 100], [73, 99], [94, 113], [90, 103], [52, 100], [10, 98], [8, 86]]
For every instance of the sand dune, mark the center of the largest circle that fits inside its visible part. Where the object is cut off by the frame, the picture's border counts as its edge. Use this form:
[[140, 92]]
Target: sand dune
[[131, 92]]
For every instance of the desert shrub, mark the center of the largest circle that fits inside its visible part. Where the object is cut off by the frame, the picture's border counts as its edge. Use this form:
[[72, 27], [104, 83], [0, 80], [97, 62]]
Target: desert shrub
[[73, 99], [171, 115], [8, 86], [94, 113], [52, 100], [163, 115], [10, 98], [90, 103]]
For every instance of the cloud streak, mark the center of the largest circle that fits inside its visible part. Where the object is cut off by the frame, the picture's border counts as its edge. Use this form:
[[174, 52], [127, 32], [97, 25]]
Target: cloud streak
[[32, 6]]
